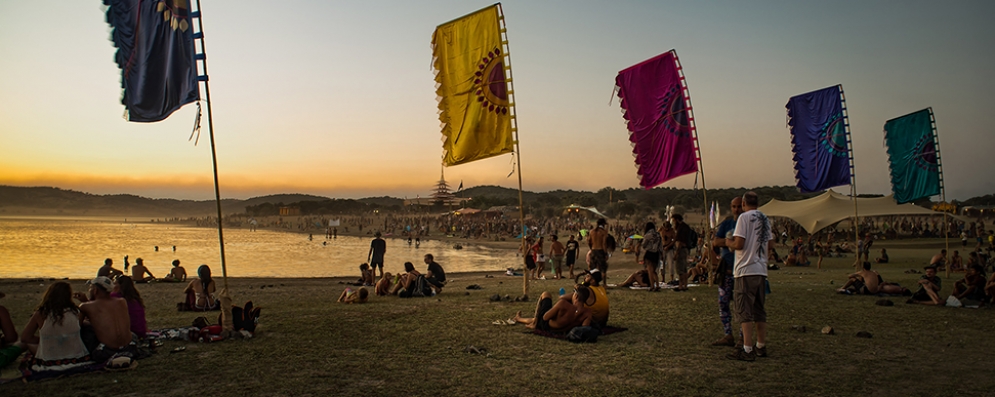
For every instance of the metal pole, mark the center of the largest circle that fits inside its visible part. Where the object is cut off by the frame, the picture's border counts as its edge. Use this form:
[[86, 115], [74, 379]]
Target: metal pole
[[518, 146], [697, 149], [214, 155], [943, 190], [853, 177]]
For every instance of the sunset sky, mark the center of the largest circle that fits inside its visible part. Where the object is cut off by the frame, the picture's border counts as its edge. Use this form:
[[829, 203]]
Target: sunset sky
[[337, 98]]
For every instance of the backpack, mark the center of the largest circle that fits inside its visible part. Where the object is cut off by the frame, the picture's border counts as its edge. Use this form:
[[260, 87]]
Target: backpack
[[583, 335], [610, 243], [421, 287], [692, 238]]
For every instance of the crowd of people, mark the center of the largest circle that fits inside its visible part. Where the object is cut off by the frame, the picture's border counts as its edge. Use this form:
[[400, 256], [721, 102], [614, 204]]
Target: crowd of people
[[103, 325]]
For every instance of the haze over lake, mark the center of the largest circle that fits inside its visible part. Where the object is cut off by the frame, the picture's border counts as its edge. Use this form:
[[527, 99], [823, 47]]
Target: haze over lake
[[77, 247]]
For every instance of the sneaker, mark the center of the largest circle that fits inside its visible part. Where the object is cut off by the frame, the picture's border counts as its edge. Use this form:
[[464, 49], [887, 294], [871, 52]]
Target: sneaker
[[760, 351], [742, 355], [725, 341]]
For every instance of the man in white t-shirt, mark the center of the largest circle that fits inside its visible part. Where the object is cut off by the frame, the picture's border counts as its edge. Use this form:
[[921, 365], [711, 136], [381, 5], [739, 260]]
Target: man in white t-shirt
[[749, 243]]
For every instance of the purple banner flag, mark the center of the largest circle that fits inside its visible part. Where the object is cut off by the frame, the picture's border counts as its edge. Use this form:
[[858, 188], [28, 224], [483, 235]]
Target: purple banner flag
[[819, 140], [657, 115]]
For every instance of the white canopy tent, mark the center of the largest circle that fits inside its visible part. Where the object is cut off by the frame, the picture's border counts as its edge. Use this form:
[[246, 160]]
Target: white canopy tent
[[819, 212]]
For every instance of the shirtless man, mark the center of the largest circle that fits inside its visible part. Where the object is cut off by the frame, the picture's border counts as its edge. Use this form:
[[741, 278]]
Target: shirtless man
[[568, 312], [178, 274], [596, 242], [863, 282], [939, 260], [139, 271], [557, 251], [108, 270], [104, 322]]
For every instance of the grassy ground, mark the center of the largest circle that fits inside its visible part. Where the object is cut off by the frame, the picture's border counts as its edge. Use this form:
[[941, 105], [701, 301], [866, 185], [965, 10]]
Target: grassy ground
[[308, 345]]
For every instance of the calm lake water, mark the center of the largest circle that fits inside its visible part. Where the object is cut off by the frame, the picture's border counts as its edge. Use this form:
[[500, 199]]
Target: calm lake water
[[77, 247]]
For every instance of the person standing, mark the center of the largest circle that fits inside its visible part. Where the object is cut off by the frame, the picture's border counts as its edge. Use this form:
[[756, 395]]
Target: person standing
[[556, 252], [652, 247], [375, 257], [667, 235], [724, 274], [573, 251], [681, 250], [597, 242], [749, 243]]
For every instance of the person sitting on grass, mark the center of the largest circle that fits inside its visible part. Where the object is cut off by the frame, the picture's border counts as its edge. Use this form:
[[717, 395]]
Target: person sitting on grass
[[568, 312], [406, 282], [383, 285], [124, 287], [939, 260], [884, 256], [105, 322], [971, 289], [989, 289], [108, 270], [929, 288], [9, 348], [863, 282], [177, 275], [365, 276], [436, 276], [598, 299], [139, 271], [200, 292], [699, 273], [358, 296], [53, 332], [638, 279], [956, 262]]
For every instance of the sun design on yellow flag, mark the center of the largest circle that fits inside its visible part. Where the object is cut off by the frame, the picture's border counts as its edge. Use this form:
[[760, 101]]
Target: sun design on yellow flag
[[474, 105], [176, 12]]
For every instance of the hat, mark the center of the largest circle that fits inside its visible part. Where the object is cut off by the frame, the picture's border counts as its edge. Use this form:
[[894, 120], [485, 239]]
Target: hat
[[595, 274], [102, 282]]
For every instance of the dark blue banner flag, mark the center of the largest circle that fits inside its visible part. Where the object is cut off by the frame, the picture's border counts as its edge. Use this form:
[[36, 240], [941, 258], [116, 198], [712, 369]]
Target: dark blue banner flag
[[819, 140], [156, 56]]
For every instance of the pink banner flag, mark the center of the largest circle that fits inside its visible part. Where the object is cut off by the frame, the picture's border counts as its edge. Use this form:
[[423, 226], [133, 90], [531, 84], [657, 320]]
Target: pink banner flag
[[658, 118]]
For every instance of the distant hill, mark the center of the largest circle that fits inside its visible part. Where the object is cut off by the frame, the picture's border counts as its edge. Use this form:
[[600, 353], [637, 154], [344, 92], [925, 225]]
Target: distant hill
[[51, 201]]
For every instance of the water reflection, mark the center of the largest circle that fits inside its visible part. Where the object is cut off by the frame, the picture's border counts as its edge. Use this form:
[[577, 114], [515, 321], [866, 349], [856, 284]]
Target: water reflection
[[75, 248]]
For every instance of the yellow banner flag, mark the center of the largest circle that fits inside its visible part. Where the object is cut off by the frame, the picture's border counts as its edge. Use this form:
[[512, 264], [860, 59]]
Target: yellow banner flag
[[473, 88]]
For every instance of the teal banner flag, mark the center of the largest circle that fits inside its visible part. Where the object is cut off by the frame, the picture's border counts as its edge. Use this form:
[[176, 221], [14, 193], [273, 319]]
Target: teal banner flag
[[913, 156]]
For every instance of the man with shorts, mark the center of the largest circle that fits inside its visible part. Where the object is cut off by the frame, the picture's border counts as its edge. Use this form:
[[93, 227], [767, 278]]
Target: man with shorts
[[597, 241], [573, 251], [377, 248], [749, 243], [681, 250], [724, 275], [556, 252]]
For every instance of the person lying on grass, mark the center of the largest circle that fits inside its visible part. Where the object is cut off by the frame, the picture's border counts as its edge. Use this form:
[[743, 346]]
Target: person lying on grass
[[568, 312], [357, 296]]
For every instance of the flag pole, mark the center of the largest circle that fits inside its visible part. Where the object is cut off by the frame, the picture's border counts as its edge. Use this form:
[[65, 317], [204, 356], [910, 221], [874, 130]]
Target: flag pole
[[199, 36], [853, 177], [943, 190], [697, 152], [518, 146]]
